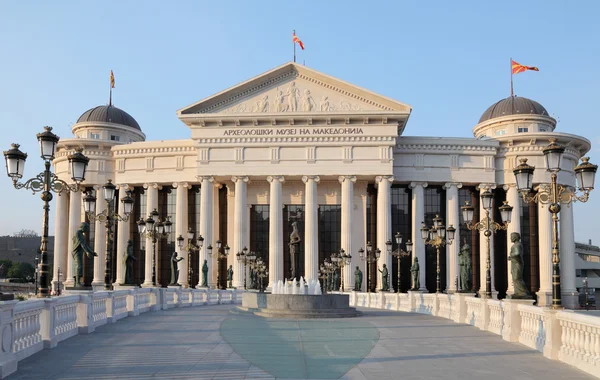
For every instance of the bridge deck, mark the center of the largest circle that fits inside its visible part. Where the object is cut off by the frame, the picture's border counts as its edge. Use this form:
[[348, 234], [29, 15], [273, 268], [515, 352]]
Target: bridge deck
[[212, 343]]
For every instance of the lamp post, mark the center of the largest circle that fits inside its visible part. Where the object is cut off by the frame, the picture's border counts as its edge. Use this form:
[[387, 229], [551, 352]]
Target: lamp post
[[245, 257], [155, 229], [435, 236], [371, 257], [221, 255], [585, 289], [191, 249], [37, 269], [555, 195], [399, 253], [46, 182], [58, 285], [487, 226], [342, 260], [108, 217], [261, 271]]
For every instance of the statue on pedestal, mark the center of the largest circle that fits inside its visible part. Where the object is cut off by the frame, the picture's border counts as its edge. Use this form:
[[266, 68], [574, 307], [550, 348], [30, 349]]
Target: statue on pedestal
[[358, 279], [174, 268], [229, 276], [128, 260], [464, 260], [384, 278], [294, 248], [204, 275], [414, 269], [516, 269], [79, 247]]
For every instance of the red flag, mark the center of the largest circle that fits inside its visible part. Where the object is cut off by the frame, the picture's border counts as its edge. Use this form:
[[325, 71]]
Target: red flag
[[297, 40], [518, 68]]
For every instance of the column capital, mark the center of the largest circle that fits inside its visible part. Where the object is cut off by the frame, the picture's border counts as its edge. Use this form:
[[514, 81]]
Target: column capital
[[125, 186], [276, 178], [486, 186], [415, 184], [203, 178], [218, 185], [448, 185], [153, 185], [242, 178], [182, 184], [381, 178], [351, 178], [314, 178]]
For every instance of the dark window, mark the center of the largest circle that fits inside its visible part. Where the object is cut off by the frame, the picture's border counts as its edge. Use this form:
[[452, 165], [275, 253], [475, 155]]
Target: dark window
[[435, 204], [293, 213], [166, 245], [259, 231], [371, 234], [330, 230], [500, 258], [471, 195], [401, 222], [530, 241], [139, 242], [194, 224]]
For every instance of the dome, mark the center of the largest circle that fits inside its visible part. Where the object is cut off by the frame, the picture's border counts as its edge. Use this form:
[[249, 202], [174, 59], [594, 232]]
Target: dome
[[513, 105], [109, 114]]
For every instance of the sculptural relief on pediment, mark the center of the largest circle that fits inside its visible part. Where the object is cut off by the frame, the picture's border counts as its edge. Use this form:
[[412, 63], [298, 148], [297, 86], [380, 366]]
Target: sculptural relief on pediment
[[297, 96]]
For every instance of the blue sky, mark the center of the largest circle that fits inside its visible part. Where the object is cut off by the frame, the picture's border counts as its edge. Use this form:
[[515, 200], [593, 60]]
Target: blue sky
[[448, 59]]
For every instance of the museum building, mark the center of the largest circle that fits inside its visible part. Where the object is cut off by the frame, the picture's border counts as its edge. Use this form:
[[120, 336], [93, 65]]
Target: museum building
[[297, 145]]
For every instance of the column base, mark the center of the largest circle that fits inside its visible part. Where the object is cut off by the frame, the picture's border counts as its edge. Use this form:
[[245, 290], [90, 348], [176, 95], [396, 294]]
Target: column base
[[544, 298], [148, 285], [570, 300]]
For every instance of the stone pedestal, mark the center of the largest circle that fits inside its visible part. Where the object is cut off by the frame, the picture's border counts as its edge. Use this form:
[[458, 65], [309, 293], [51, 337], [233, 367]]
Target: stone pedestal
[[298, 306]]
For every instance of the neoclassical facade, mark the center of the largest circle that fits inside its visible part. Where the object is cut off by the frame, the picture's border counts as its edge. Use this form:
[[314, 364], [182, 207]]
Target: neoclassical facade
[[296, 145]]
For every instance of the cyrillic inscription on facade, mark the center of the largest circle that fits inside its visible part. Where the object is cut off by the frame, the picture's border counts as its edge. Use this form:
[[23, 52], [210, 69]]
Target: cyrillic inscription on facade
[[292, 131]]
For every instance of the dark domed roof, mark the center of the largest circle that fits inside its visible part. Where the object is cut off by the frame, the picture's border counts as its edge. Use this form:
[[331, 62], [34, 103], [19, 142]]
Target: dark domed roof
[[513, 105], [109, 114]]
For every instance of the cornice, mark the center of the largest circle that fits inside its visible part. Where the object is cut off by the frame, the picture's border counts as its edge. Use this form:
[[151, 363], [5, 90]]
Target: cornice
[[270, 140], [124, 151], [446, 147]]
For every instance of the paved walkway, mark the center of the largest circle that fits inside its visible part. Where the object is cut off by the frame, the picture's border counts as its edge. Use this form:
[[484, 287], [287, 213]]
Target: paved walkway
[[212, 343]]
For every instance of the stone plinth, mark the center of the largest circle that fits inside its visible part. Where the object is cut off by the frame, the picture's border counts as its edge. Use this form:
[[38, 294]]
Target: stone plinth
[[298, 305]]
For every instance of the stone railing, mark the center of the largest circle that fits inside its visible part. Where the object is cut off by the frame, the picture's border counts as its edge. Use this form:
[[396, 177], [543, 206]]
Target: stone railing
[[569, 336], [27, 327]]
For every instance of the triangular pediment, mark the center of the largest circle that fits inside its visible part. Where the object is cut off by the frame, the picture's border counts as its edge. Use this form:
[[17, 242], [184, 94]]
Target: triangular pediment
[[294, 89]]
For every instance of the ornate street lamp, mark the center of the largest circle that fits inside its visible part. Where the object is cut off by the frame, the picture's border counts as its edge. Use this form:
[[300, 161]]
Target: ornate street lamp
[[370, 257], [435, 236], [343, 260], [555, 195], [399, 253], [247, 258], [261, 271], [155, 229], [46, 182], [108, 217], [487, 226], [221, 255], [191, 249]]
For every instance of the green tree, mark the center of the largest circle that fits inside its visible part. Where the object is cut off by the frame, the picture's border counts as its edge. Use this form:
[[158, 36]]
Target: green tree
[[6, 264], [20, 270]]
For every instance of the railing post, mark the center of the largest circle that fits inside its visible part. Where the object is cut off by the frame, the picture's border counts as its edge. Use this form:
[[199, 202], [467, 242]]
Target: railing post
[[85, 317], [47, 323], [110, 307], [8, 362], [512, 319], [132, 306], [553, 334]]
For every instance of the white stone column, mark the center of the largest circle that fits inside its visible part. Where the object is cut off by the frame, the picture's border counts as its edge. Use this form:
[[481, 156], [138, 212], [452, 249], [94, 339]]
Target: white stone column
[[151, 204], [452, 219], [570, 296], [99, 241], [514, 199], [181, 227], [311, 228], [275, 230], [206, 199], [418, 217], [347, 182], [545, 244], [483, 245], [74, 222], [384, 223], [123, 236], [215, 232], [239, 227], [61, 237]]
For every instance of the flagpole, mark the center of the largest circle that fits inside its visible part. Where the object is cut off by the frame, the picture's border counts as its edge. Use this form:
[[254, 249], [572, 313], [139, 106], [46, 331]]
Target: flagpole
[[512, 93], [294, 43], [110, 98]]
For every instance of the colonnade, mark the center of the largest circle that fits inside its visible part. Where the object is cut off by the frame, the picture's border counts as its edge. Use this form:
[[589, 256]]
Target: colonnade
[[69, 217]]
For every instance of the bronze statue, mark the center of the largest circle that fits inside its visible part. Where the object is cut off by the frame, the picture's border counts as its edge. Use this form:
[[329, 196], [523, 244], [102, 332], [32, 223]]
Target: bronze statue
[[357, 279], [384, 278], [205, 274], [294, 248], [128, 260], [79, 247], [229, 276], [464, 260], [414, 269], [174, 268], [516, 269]]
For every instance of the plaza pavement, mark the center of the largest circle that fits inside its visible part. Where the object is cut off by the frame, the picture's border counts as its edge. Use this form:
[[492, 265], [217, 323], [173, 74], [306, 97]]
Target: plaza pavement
[[210, 342]]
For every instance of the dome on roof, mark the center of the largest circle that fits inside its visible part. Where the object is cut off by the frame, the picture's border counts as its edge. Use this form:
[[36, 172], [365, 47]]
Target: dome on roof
[[513, 105], [109, 114]]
